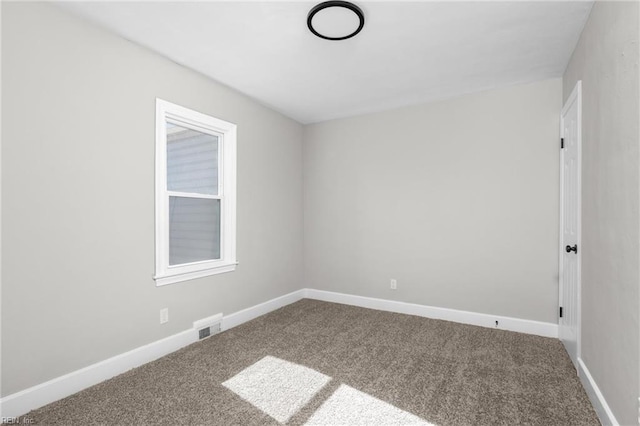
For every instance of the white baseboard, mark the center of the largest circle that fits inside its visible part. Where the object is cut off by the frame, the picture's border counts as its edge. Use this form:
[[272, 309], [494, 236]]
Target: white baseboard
[[595, 396], [240, 317], [483, 320], [45, 393], [53, 390]]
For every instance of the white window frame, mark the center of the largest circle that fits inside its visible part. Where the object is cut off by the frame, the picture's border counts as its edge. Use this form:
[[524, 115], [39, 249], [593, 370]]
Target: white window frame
[[227, 134]]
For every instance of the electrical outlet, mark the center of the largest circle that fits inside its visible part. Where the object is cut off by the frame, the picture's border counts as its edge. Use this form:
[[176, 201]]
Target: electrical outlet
[[164, 315], [394, 284]]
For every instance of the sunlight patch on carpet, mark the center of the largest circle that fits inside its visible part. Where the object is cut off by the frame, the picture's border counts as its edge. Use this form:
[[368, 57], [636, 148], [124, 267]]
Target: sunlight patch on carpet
[[349, 406], [277, 387]]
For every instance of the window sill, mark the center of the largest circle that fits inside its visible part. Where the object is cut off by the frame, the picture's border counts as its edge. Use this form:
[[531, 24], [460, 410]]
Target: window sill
[[176, 278]]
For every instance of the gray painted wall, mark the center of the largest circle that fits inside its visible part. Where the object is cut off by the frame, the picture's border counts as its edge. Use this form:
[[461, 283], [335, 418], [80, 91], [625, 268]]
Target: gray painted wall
[[78, 107], [606, 60], [457, 200]]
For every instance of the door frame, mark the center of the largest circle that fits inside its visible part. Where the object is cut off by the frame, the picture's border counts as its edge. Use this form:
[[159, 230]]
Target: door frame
[[574, 97]]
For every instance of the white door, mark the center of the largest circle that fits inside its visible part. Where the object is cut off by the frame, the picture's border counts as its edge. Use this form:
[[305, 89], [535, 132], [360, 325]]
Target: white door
[[570, 250]]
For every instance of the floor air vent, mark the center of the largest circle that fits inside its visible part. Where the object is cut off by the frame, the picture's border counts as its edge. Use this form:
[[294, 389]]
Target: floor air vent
[[208, 326]]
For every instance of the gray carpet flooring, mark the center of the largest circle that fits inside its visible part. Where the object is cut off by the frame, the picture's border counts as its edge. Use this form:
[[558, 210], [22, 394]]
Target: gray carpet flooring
[[441, 372]]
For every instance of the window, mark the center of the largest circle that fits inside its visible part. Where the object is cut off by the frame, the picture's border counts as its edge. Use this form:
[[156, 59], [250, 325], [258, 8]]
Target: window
[[195, 194]]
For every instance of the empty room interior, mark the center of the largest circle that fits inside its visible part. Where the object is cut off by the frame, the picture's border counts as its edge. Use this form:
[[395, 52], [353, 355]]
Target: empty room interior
[[322, 213]]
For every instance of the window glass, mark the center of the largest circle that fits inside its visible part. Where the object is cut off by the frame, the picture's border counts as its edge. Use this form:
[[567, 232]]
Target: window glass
[[192, 160], [194, 230]]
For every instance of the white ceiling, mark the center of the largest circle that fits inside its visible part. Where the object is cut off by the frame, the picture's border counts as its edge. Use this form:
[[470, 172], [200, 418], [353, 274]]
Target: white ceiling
[[407, 53]]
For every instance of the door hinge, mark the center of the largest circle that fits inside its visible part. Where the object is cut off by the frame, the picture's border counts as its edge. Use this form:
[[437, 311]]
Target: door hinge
[[560, 311], [561, 143]]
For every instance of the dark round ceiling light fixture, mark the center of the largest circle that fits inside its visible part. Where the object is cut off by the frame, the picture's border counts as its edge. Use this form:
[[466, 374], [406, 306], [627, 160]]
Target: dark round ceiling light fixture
[[335, 20]]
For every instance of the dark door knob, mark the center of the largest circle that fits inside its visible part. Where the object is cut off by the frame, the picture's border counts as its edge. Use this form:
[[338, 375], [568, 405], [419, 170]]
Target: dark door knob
[[570, 249]]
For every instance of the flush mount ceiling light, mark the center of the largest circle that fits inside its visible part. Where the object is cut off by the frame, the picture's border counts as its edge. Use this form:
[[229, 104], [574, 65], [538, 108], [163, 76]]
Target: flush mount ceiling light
[[335, 20]]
